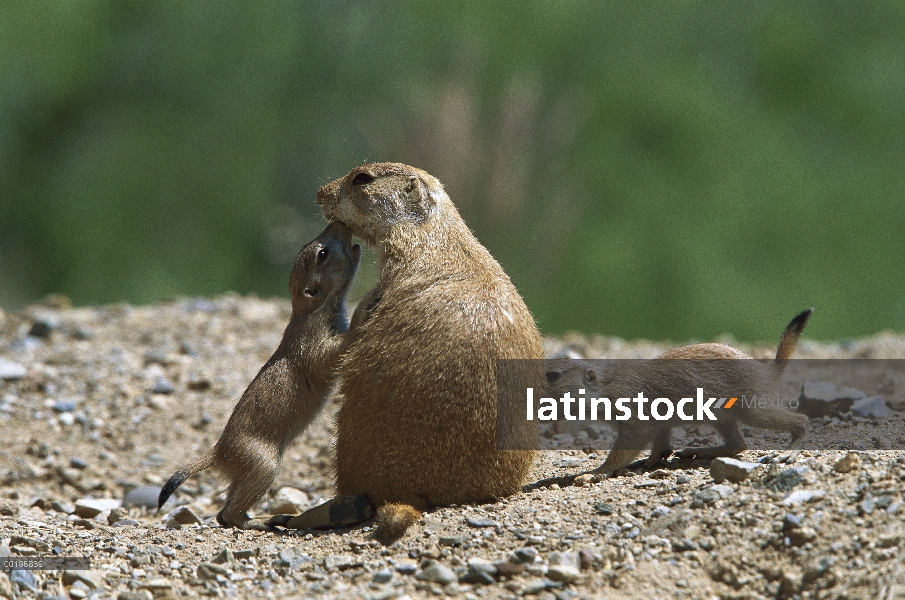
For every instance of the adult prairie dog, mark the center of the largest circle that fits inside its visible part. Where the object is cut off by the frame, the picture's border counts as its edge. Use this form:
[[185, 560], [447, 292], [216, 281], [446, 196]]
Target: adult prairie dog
[[417, 427], [291, 388], [676, 373]]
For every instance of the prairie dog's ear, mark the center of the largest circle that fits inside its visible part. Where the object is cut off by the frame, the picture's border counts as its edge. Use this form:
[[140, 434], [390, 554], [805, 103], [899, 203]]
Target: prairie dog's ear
[[418, 198], [591, 376]]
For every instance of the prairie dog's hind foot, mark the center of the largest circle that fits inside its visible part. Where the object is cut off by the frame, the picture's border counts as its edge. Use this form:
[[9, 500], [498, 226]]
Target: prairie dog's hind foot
[[246, 522]]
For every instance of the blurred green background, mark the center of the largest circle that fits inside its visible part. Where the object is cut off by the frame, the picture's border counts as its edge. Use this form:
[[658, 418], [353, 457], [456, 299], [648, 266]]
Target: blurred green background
[[642, 169]]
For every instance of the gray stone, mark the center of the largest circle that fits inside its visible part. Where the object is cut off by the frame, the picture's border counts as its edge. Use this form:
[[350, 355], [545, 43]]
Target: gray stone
[[292, 557], [570, 462], [62, 406], [480, 571], [339, 561], [734, 470], [11, 371], [802, 496], [788, 479], [523, 555], [819, 398], [24, 578], [135, 595], [564, 566], [604, 508], [383, 576], [868, 505], [536, 586], [288, 501], [406, 567], [791, 521], [436, 573], [802, 535], [93, 579], [146, 496], [162, 385], [184, 516], [247, 553], [116, 515], [78, 463], [88, 508], [125, 523], [453, 540], [704, 497], [481, 522], [871, 408], [224, 557], [156, 584], [208, 570]]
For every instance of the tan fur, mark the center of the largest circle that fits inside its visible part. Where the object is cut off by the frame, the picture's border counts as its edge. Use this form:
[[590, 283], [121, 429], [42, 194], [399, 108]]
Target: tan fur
[[418, 423], [393, 520], [290, 389], [714, 367]]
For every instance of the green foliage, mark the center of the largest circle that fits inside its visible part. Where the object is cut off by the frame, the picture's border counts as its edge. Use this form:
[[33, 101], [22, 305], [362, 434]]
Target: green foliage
[[665, 170]]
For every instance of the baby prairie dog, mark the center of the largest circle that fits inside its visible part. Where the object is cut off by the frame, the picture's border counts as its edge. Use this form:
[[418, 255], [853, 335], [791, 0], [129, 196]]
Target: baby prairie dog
[[417, 427], [688, 368], [291, 388]]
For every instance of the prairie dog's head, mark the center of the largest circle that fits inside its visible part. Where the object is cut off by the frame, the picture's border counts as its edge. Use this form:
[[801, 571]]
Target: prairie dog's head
[[374, 199], [570, 376], [324, 269]]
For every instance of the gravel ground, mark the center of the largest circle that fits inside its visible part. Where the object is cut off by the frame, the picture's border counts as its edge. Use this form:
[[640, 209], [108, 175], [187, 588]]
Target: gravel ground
[[106, 403]]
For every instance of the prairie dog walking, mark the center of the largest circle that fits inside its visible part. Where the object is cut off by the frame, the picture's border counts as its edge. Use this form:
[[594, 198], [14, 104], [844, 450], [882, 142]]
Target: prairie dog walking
[[291, 388], [688, 367], [417, 427]]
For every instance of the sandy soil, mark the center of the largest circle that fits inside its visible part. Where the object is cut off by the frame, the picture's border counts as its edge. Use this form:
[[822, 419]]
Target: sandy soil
[[116, 398]]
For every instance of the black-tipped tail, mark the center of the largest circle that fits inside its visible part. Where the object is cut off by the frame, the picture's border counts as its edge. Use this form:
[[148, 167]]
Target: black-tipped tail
[[170, 486], [181, 475], [790, 336]]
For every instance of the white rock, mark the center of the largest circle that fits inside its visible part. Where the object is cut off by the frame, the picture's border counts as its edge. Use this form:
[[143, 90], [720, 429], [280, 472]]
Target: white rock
[[734, 470], [800, 496], [288, 501], [11, 370], [88, 508], [564, 566]]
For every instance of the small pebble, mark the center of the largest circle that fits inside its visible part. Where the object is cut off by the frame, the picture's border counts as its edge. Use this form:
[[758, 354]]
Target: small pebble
[[11, 371], [88, 508], [406, 568], [184, 516], [481, 522], [162, 385], [437, 573], [382, 576]]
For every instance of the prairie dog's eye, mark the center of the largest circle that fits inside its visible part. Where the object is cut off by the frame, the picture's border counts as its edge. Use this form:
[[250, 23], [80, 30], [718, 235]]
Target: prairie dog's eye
[[552, 376], [362, 179], [312, 292], [322, 255]]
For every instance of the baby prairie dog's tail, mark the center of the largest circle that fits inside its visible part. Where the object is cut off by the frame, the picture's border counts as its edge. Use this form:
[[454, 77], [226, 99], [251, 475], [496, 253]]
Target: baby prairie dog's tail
[[181, 475], [393, 519], [789, 339]]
